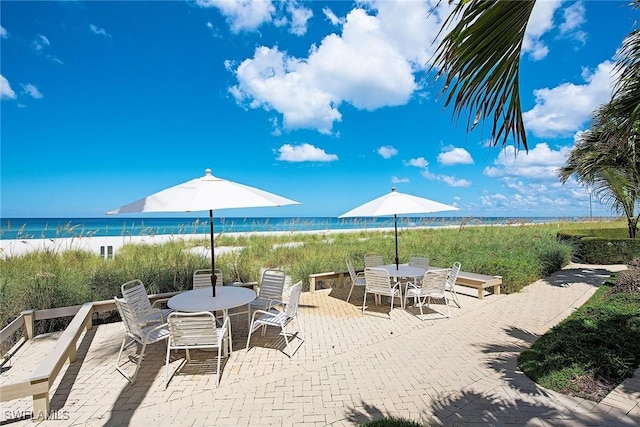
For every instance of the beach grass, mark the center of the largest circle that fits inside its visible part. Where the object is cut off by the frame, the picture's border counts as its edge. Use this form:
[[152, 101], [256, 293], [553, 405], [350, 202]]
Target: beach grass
[[520, 254], [44, 279]]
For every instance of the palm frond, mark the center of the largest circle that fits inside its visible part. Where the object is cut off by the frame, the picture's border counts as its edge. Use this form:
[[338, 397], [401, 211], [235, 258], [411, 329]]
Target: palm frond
[[480, 60]]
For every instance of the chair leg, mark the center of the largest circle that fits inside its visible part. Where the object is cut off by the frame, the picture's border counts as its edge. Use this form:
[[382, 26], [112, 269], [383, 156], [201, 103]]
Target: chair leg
[[286, 340], [218, 367], [140, 358], [350, 290], [300, 329], [166, 369], [120, 353], [454, 294], [248, 339], [364, 302], [446, 302]]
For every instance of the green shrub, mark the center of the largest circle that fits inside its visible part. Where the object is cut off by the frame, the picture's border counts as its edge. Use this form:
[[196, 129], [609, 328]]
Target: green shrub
[[601, 245], [392, 422]]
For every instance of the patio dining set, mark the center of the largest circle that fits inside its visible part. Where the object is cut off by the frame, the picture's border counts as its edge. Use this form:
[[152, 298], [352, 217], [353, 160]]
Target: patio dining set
[[196, 319], [415, 280]]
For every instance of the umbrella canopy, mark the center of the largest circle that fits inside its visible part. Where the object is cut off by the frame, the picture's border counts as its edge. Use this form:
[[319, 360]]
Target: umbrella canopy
[[207, 193], [396, 203]]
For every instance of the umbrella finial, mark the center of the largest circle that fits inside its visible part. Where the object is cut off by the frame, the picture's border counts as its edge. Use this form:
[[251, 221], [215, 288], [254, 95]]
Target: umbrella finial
[[393, 189], [207, 172]]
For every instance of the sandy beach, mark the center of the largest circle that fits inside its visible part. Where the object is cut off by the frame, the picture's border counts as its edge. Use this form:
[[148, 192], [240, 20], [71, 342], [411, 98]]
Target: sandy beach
[[110, 245]]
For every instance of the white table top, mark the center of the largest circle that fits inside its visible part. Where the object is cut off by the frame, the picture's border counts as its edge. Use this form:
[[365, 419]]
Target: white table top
[[403, 270], [202, 299]]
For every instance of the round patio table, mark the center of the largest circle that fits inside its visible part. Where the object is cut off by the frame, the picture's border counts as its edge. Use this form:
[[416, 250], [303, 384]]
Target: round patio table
[[405, 271], [202, 300]]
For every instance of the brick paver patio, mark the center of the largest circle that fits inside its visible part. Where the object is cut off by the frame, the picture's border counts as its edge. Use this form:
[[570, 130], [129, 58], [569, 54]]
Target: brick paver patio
[[352, 368]]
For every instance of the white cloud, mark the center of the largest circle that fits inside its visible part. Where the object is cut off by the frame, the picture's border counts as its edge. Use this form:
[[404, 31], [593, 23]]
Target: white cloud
[[419, 162], [540, 22], [32, 91], [531, 198], [99, 31], [573, 17], [387, 151], [332, 17], [249, 15], [5, 89], [540, 163], [447, 179], [455, 156], [369, 65], [304, 153], [3, 32], [396, 180], [242, 15], [40, 43], [272, 81], [562, 110], [453, 181], [299, 18]]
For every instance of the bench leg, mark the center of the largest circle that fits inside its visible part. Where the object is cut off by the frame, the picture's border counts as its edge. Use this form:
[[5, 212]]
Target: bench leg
[[480, 293], [312, 284], [496, 290]]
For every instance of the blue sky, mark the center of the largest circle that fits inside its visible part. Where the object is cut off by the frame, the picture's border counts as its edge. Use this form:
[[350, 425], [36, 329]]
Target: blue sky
[[326, 103]]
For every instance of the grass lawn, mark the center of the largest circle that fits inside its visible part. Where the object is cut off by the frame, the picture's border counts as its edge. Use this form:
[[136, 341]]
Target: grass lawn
[[596, 348]]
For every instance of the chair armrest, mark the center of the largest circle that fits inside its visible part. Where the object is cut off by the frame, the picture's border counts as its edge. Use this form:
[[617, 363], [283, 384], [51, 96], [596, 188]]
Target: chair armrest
[[159, 302], [155, 328]]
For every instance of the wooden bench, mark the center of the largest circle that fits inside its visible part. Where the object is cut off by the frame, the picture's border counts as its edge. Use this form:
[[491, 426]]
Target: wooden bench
[[329, 275], [480, 282]]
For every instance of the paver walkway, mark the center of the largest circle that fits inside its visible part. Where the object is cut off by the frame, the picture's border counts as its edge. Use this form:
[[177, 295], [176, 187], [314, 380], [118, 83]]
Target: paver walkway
[[352, 368]]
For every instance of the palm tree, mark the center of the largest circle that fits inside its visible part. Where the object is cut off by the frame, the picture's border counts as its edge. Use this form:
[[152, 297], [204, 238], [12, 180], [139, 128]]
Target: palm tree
[[608, 164], [607, 156], [480, 61]]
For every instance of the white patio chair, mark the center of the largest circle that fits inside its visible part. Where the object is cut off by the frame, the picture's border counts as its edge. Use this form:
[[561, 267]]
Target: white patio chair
[[373, 260], [419, 261], [270, 291], [356, 279], [137, 333], [202, 278], [432, 285], [280, 318], [451, 282], [189, 331], [379, 283], [136, 295]]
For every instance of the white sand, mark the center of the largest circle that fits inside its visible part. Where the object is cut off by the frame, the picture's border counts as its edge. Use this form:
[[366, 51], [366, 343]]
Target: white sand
[[96, 244]]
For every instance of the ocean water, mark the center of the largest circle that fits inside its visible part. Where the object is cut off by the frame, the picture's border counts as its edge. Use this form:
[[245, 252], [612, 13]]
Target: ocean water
[[50, 228]]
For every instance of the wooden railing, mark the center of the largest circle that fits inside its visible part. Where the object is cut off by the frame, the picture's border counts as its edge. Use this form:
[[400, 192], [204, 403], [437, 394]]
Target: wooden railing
[[39, 384]]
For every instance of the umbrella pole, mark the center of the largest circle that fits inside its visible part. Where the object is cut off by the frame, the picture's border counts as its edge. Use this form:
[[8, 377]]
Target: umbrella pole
[[213, 260], [395, 224]]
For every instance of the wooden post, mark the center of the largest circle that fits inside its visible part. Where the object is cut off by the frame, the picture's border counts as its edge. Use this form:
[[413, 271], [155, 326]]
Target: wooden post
[[28, 317], [41, 403]]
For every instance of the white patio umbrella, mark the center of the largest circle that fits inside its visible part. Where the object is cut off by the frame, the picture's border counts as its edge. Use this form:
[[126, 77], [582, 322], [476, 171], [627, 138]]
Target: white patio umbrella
[[207, 193], [396, 203]]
